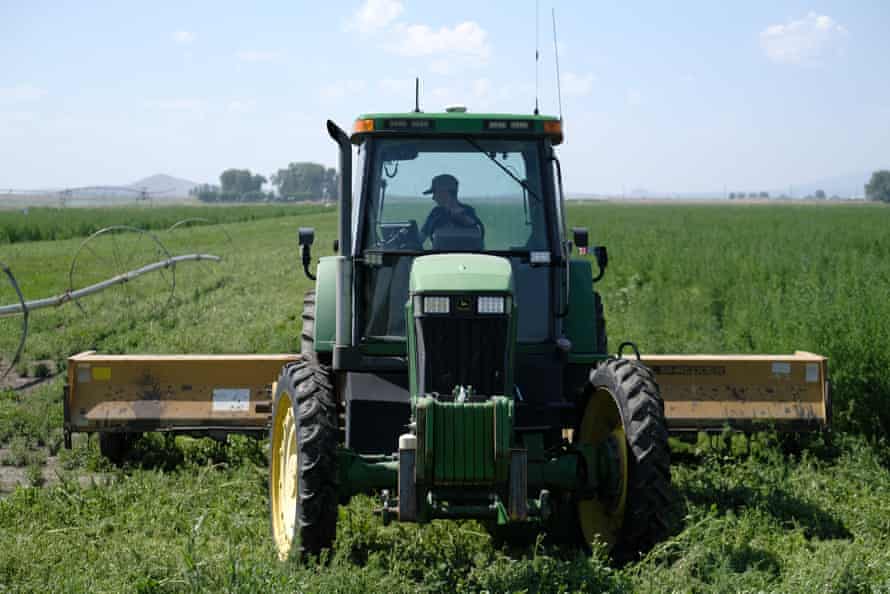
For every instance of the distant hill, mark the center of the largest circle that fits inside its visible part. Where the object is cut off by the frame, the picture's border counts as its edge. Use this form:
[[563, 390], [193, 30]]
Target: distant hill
[[178, 188]]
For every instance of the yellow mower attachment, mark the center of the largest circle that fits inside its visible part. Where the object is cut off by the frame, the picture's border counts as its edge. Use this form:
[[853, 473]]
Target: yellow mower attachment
[[194, 394], [746, 392]]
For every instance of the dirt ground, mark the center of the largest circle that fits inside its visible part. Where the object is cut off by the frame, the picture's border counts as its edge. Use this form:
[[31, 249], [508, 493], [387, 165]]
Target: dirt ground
[[12, 477], [16, 381]]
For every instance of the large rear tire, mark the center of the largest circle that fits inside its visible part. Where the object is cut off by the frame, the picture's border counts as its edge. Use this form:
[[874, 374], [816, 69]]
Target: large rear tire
[[303, 460], [622, 404], [307, 333]]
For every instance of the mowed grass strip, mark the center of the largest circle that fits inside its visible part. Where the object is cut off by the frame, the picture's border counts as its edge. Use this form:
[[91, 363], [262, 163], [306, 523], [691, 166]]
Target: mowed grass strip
[[191, 516]]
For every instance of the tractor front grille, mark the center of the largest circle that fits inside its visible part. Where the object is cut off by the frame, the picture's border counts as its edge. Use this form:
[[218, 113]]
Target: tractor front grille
[[463, 443], [462, 351]]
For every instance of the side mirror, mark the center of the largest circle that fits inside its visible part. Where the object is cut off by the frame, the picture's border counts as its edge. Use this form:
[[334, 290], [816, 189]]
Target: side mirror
[[306, 237], [580, 237], [602, 260]]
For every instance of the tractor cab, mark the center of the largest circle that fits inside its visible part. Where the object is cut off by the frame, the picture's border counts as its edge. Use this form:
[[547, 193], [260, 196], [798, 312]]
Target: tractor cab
[[425, 193]]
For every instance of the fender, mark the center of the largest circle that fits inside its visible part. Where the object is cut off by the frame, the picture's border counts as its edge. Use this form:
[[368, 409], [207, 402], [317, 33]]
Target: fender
[[325, 304]]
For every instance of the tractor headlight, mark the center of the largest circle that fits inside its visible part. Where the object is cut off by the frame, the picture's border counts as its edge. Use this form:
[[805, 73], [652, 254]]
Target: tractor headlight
[[436, 305], [488, 304]]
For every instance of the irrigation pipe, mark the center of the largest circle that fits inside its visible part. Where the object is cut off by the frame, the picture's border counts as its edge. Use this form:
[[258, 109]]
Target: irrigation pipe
[[26, 306]]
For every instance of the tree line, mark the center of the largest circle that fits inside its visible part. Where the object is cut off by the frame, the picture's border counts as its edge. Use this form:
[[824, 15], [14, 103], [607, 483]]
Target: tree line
[[312, 181], [878, 187], [297, 182]]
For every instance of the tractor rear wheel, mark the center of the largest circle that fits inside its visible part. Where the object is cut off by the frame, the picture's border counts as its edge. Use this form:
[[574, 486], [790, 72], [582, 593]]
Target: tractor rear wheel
[[623, 405], [303, 460], [307, 334]]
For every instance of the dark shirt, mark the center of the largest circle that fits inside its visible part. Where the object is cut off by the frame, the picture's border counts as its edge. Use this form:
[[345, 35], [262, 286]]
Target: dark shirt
[[442, 217]]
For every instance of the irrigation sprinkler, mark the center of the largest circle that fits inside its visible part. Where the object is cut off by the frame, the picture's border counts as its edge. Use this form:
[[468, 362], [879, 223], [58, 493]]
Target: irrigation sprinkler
[[112, 257], [200, 235], [113, 251]]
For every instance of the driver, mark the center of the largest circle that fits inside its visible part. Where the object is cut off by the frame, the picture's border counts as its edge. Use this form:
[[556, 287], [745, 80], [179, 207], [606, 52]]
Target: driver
[[448, 210]]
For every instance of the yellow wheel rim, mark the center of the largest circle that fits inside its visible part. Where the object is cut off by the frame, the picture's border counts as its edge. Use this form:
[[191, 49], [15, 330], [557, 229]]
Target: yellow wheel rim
[[284, 481], [602, 520]]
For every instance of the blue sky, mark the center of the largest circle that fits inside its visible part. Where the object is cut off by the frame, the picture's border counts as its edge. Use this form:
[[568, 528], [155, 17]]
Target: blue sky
[[679, 96]]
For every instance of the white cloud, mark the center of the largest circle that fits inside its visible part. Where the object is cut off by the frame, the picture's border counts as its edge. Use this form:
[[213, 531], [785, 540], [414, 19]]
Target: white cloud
[[21, 93], [374, 15], [342, 88], [577, 85], [466, 39], [802, 41], [183, 37], [258, 56], [480, 95]]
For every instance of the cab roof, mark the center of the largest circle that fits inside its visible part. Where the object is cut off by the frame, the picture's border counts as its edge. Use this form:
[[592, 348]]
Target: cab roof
[[456, 122]]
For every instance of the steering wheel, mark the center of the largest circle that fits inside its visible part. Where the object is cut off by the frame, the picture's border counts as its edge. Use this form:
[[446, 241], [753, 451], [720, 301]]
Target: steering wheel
[[400, 236]]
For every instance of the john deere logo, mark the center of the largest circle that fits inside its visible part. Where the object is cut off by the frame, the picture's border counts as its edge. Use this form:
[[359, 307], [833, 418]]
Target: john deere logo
[[464, 304]]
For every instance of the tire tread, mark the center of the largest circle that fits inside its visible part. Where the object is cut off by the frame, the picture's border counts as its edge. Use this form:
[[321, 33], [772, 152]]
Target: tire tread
[[649, 492]]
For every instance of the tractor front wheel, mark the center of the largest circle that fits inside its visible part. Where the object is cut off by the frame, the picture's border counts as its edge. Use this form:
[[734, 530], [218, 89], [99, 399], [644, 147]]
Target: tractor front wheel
[[303, 460], [623, 406]]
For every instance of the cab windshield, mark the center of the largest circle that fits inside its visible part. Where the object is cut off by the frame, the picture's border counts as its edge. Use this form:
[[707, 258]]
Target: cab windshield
[[451, 195], [455, 194]]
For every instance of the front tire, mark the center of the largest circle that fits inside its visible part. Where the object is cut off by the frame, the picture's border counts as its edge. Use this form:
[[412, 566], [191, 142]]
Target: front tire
[[303, 460], [622, 403]]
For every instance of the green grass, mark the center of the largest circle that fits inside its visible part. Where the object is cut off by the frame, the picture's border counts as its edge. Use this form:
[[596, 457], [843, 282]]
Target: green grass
[[189, 515], [747, 279], [44, 223]]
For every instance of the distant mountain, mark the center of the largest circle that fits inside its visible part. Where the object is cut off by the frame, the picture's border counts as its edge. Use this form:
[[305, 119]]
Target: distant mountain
[[178, 188]]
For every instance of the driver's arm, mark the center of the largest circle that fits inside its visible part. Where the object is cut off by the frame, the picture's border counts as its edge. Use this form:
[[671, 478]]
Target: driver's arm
[[466, 216], [433, 220]]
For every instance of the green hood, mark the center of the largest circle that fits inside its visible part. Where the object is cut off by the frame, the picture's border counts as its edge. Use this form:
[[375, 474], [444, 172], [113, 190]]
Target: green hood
[[448, 273]]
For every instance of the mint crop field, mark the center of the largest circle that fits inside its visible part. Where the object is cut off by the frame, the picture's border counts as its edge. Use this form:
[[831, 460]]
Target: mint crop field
[[190, 515]]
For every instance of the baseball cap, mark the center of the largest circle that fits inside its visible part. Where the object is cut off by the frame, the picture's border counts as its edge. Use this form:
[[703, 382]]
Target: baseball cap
[[442, 182]]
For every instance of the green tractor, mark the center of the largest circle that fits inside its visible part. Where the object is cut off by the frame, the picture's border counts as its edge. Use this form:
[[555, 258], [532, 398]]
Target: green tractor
[[455, 359]]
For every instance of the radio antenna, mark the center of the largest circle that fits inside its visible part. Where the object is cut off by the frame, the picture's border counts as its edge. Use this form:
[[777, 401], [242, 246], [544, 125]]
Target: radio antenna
[[556, 53], [417, 95], [537, 53]]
